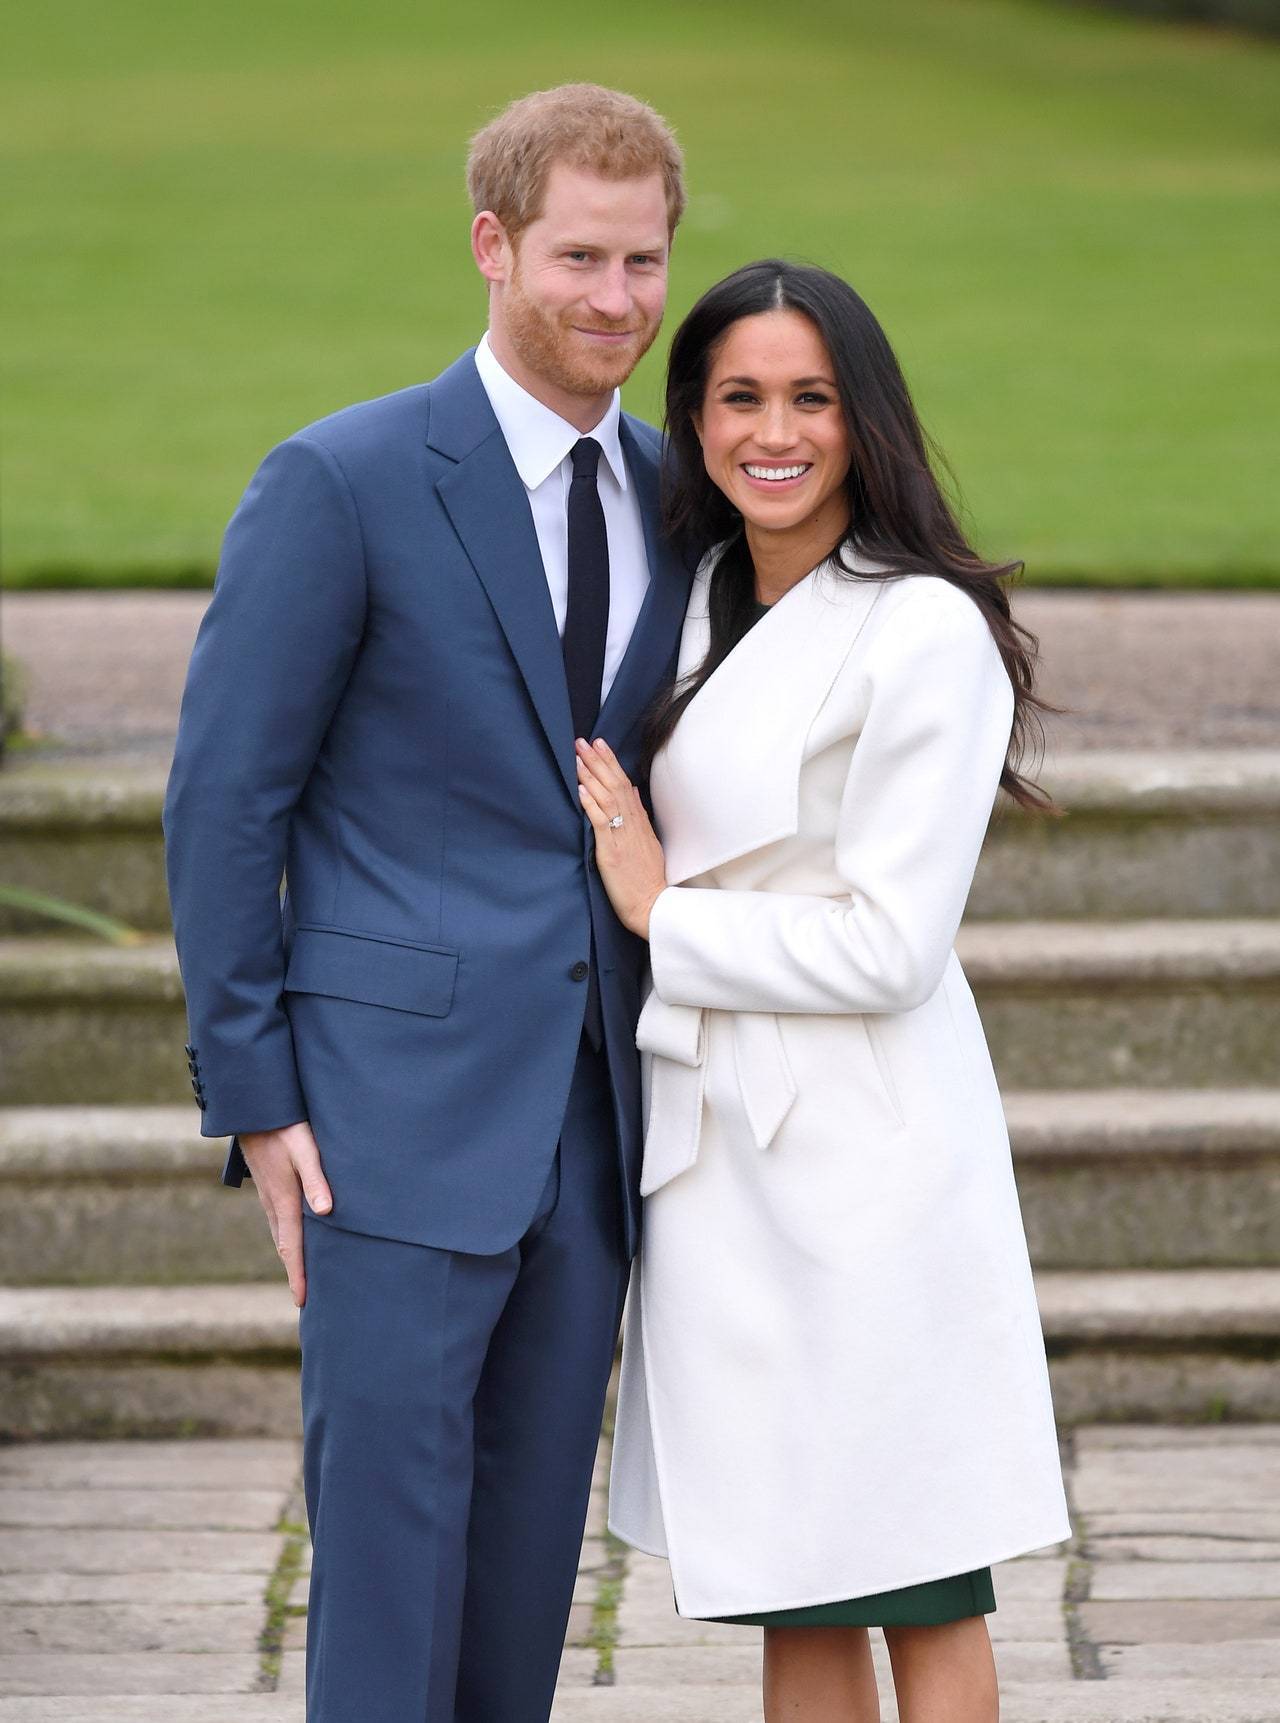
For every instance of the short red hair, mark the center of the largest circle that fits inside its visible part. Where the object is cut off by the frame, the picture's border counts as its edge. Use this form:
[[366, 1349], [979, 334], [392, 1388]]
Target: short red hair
[[601, 131]]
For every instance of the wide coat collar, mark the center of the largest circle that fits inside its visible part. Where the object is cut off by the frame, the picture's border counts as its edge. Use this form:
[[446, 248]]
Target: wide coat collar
[[489, 508], [726, 784], [728, 780]]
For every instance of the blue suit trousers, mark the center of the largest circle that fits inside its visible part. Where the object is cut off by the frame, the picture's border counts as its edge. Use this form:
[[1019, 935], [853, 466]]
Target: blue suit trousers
[[451, 1409]]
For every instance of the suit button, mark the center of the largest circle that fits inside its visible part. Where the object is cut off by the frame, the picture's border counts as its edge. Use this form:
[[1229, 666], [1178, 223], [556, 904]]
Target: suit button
[[189, 1050], [580, 971]]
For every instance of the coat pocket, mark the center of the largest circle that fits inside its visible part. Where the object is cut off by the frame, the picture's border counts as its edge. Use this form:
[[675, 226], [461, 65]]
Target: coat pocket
[[888, 1083], [372, 969]]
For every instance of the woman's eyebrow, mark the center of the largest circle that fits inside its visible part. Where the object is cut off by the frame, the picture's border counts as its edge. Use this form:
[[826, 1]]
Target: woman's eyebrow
[[797, 382]]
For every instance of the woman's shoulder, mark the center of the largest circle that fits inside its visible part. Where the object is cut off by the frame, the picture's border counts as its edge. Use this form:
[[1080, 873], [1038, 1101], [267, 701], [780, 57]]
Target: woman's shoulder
[[927, 595], [933, 601], [927, 625]]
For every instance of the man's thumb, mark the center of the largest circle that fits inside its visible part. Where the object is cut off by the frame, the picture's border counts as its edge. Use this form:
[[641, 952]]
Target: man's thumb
[[313, 1181]]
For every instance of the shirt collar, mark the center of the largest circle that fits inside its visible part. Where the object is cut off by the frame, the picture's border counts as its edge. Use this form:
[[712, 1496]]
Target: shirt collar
[[538, 438]]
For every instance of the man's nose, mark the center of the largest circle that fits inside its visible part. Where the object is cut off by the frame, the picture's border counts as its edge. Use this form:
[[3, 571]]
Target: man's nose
[[610, 293]]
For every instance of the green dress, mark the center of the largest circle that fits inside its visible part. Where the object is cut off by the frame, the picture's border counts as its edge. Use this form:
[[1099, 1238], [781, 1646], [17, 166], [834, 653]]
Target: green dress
[[925, 1605]]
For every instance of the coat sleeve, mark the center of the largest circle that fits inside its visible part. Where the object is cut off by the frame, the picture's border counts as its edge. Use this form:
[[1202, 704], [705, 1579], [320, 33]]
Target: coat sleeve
[[272, 656], [913, 814]]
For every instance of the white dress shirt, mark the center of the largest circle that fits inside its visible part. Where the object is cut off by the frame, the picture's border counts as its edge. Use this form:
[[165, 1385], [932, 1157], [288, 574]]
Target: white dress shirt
[[540, 441]]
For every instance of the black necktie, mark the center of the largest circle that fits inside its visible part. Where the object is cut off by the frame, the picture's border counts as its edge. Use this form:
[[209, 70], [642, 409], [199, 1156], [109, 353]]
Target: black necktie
[[586, 621], [586, 625]]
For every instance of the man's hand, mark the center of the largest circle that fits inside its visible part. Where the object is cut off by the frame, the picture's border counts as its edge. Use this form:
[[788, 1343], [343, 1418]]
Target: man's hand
[[285, 1163]]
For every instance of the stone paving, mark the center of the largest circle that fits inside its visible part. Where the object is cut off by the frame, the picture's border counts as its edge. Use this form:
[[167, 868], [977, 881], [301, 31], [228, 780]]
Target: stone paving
[[166, 1582]]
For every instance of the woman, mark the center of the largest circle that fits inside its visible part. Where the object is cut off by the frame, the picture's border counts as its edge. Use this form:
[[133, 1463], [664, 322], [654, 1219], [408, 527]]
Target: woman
[[835, 1408]]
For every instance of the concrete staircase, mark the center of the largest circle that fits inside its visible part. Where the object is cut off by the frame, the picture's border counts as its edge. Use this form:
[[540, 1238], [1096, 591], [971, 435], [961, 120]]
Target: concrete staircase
[[1126, 961]]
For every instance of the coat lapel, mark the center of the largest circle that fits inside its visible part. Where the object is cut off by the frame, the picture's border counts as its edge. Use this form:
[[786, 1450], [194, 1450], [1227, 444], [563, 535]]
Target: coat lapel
[[657, 627], [728, 780]]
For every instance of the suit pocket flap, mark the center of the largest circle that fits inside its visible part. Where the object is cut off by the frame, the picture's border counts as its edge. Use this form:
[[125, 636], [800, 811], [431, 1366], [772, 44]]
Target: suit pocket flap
[[374, 971]]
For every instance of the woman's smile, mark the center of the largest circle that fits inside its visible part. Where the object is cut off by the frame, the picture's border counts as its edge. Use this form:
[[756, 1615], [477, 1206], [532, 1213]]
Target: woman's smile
[[771, 476]]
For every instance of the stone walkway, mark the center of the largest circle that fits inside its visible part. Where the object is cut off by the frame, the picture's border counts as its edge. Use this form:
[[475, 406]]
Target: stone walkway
[[1138, 669], [166, 1582]]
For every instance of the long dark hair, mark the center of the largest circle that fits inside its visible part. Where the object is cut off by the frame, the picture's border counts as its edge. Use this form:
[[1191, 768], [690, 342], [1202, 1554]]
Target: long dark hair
[[898, 515]]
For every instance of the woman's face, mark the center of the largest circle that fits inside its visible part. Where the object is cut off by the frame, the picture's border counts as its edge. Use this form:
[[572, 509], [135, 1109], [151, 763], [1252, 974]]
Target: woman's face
[[773, 432]]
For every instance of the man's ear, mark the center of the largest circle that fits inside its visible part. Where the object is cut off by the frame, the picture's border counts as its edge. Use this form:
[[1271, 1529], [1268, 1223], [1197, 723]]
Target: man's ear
[[491, 248]]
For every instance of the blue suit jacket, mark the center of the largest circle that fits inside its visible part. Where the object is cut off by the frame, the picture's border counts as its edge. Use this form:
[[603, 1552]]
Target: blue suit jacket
[[376, 707]]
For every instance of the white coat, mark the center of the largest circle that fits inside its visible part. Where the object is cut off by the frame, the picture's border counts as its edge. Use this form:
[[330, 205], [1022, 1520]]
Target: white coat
[[833, 1379]]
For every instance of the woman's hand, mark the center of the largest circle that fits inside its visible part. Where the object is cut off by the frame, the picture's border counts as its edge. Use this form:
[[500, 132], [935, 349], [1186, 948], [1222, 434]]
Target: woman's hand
[[629, 856]]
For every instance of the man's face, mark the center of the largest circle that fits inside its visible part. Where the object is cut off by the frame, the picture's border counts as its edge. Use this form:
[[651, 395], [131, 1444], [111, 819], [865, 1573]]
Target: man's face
[[587, 281]]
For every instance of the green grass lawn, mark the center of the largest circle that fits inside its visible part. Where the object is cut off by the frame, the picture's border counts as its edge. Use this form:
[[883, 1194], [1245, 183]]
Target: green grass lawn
[[225, 221]]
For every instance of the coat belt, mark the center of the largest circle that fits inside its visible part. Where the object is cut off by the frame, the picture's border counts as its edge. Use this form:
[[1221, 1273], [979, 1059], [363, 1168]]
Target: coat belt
[[673, 1081]]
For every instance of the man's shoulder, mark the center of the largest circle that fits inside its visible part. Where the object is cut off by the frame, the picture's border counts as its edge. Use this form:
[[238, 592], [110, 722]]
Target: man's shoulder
[[648, 436], [352, 429], [645, 446], [375, 425]]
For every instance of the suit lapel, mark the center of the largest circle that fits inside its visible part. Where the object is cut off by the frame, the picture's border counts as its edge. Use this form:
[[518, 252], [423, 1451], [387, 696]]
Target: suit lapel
[[728, 780], [489, 508]]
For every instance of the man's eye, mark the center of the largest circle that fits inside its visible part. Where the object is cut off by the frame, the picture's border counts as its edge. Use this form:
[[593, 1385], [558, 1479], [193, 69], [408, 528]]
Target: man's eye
[[579, 256], [643, 257]]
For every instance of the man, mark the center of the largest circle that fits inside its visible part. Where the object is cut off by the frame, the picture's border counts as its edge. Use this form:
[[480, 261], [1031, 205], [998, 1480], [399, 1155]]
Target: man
[[422, 602]]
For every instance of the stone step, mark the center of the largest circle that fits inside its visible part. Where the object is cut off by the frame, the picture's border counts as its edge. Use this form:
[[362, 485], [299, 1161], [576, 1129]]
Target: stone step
[[88, 834], [1147, 834], [1108, 1178], [1148, 1178], [1162, 1344], [81, 1020], [211, 1359], [1162, 1003], [1192, 833], [121, 1195], [195, 1360], [1065, 1005]]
